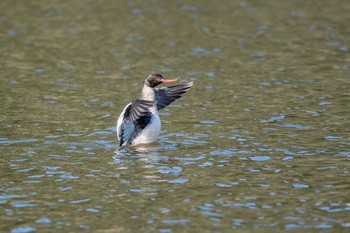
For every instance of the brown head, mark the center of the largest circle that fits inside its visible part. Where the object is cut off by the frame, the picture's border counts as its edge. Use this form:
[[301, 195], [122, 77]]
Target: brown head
[[155, 79]]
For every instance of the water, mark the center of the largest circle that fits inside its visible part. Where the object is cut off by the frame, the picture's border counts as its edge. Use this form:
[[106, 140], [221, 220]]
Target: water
[[261, 142]]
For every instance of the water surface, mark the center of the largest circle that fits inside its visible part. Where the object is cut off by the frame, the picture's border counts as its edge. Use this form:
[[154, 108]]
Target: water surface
[[261, 142]]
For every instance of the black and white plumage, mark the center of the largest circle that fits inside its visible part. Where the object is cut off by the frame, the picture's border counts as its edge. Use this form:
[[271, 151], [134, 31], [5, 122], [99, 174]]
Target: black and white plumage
[[139, 122]]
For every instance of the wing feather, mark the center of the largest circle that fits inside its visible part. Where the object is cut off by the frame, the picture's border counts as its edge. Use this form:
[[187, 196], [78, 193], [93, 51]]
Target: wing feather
[[126, 120], [167, 95]]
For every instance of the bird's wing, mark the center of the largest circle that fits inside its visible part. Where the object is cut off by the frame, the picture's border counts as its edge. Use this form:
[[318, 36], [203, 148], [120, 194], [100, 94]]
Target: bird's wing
[[131, 113], [167, 95]]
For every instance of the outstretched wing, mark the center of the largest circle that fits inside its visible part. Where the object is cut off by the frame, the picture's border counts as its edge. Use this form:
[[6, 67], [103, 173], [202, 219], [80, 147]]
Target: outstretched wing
[[126, 120], [167, 95]]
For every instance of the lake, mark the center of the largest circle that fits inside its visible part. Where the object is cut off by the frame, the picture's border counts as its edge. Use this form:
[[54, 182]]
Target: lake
[[260, 143]]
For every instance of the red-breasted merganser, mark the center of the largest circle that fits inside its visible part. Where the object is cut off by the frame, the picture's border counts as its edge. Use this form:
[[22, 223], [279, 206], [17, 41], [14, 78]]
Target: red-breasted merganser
[[139, 122]]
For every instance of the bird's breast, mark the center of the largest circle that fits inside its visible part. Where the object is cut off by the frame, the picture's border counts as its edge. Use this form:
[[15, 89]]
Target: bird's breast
[[150, 132]]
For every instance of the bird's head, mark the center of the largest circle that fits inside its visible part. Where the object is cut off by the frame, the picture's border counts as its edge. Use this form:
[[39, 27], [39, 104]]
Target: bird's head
[[154, 80]]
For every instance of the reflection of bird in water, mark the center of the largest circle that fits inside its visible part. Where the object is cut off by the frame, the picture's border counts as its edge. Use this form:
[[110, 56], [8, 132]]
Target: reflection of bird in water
[[147, 152], [139, 123], [148, 162]]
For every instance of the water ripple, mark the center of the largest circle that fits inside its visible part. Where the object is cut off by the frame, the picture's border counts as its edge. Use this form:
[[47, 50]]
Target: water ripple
[[178, 181]]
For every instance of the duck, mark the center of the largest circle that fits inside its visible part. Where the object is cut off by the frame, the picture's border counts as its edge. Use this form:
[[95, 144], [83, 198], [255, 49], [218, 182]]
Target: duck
[[139, 122]]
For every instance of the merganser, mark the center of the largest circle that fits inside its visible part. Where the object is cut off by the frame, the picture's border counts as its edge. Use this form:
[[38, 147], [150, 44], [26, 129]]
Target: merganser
[[139, 122]]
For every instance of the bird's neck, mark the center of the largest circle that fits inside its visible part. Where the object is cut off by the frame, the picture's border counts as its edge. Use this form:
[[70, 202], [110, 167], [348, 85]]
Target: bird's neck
[[148, 93]]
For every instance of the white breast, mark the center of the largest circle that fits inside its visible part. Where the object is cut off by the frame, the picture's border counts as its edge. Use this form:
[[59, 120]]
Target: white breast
[[151, 132]]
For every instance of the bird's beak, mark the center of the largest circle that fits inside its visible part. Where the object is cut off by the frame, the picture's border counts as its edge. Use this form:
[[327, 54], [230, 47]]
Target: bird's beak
[[169, 80]]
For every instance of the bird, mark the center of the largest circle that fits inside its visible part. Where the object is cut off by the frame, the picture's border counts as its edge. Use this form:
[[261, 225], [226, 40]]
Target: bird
[[139, 122]]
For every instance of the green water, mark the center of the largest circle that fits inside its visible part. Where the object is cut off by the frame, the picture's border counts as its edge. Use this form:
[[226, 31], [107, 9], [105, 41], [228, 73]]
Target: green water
[[260, 143]]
